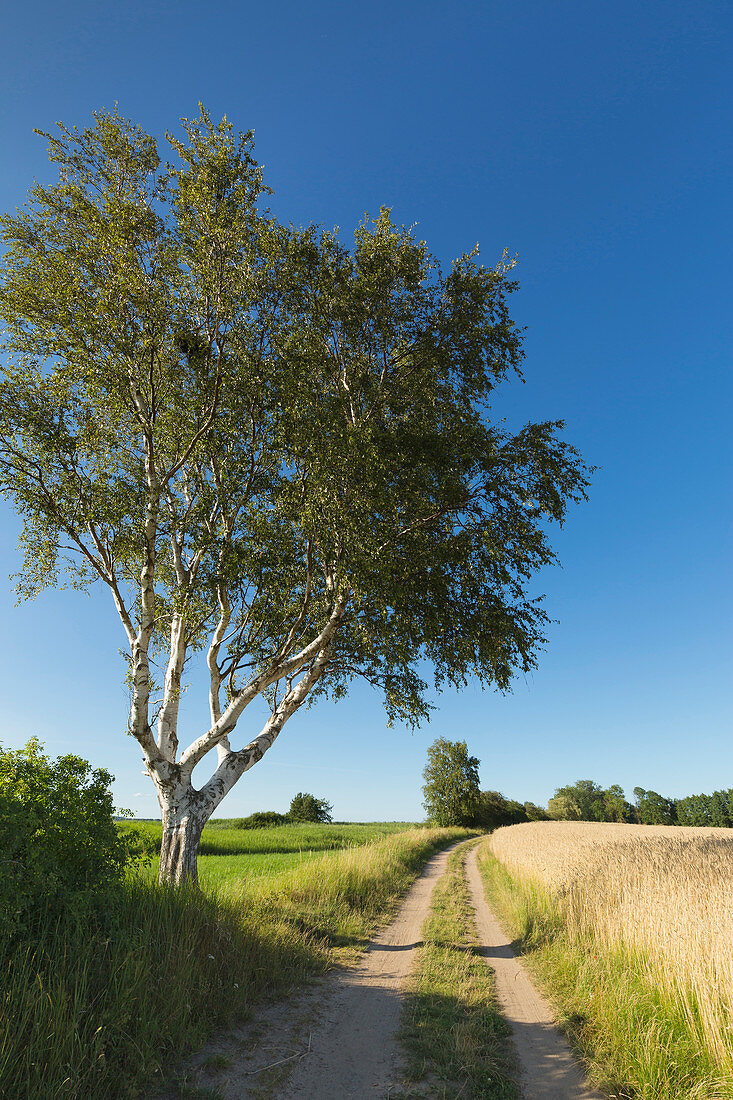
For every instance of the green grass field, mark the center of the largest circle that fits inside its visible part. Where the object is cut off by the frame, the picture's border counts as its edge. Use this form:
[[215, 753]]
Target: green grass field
[[229, 857]]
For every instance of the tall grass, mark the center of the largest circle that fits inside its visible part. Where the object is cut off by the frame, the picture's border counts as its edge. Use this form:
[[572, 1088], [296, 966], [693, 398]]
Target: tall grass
[[633, 927], [340, 896], [229, 854], [99, 1010]]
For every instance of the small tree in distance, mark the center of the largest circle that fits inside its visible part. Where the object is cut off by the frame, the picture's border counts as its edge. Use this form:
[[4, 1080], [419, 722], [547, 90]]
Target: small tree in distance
[[306, 807], [451, 790]]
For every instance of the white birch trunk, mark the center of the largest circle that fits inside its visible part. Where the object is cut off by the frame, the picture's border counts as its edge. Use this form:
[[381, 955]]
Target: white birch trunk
[[183, 823]]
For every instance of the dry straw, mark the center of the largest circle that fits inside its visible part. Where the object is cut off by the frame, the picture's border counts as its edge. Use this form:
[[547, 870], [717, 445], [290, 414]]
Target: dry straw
[[664, 894]]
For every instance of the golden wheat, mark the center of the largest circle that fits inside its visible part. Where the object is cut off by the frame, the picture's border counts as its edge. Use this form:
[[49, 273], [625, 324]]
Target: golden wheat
[[664, 893]]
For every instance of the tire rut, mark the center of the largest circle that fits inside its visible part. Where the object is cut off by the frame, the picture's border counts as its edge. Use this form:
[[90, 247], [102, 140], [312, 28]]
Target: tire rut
[[548, 1069], [355, 1052], [338, 1040]]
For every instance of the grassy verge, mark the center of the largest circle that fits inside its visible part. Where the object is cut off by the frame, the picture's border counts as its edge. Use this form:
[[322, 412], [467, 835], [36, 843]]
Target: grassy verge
[[455, 1035], [640, 1042], [100, 1010]]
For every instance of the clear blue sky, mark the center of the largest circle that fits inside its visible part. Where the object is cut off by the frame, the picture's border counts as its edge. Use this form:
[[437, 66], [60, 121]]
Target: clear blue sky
[[593, 139]]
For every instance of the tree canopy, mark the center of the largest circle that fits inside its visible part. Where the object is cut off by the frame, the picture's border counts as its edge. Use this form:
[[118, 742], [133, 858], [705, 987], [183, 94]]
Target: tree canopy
[[496, 811], [451, 792], [653, 808], [582, 801], [268, 446], [306, 807]]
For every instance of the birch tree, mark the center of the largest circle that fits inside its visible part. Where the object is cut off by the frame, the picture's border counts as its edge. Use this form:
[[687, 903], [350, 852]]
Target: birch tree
[[271, 449]]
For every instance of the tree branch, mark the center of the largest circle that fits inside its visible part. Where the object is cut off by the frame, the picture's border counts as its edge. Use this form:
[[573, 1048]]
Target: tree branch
[[233, 765], [281, 669]]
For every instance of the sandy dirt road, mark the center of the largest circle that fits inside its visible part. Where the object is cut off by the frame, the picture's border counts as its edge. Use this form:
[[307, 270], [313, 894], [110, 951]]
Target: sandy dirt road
[[338, 1040], [549, 1071], [355, 1052]]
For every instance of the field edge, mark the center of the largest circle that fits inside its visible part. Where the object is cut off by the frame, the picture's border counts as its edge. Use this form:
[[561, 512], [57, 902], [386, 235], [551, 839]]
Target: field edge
[[636, 1042]]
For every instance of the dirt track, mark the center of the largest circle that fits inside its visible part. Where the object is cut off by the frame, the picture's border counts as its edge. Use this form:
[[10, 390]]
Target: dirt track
[[549, 1071], [355, 1051], [339, 1040]]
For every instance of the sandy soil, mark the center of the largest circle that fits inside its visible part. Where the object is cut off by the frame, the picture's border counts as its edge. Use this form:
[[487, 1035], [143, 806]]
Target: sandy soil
[[355, 1051], [338, 1040], [549, 1071]]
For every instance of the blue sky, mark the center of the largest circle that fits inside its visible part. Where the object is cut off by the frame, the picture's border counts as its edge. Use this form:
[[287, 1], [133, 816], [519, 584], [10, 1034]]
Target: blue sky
[[592, 139]]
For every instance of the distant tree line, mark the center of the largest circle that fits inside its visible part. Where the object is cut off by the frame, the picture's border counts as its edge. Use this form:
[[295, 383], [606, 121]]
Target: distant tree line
[[586, 800], [706, 809], [494, 810], [452, 795]]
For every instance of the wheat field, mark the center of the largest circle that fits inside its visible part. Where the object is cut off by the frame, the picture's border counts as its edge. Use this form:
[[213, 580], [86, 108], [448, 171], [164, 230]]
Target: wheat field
[[662, 893]]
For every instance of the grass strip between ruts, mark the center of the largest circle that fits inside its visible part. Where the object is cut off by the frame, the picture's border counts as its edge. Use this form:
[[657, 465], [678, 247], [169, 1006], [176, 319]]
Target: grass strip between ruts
[[635, 1039], [456, 1039]]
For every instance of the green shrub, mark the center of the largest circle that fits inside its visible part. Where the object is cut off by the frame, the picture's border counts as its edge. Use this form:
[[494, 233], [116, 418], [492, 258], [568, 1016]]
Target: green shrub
[[261, 819], [59, 845]]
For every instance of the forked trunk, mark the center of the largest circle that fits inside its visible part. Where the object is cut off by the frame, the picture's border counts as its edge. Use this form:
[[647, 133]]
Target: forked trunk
[[180, 846]]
